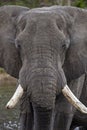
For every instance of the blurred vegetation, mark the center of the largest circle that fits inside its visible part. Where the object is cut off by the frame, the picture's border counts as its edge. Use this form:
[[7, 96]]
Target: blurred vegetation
[[1, 71], [28, 3], [38, 3], [81, 3]]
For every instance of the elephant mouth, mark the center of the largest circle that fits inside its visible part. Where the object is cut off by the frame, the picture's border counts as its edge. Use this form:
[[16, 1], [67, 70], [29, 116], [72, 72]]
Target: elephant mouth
[[66, 92]]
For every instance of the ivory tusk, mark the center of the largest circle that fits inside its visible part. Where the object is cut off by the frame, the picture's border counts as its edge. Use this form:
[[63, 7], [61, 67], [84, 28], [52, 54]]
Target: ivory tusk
[[15, 98], [73, 99]]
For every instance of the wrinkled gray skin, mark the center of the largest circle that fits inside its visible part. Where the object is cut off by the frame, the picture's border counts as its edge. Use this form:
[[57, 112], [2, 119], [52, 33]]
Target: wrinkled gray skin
[[45, 49]]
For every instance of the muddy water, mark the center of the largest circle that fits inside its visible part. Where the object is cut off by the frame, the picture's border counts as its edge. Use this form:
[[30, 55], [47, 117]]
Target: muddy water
[[8, 118]]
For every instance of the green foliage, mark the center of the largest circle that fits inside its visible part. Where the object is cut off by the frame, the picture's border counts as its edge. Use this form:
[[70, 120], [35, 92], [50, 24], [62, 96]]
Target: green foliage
[[38, 3], [81, 3], [2, 71], [28, 3], [15, 2]]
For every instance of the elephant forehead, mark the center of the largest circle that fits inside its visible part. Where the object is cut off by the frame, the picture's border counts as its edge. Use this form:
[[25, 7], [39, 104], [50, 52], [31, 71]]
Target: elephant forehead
[[45, 23], [42, 15], [40, 18]]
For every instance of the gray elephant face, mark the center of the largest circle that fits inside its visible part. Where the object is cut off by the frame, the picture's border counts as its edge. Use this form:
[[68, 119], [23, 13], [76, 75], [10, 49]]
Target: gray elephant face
[[42, 46], [44, 30]]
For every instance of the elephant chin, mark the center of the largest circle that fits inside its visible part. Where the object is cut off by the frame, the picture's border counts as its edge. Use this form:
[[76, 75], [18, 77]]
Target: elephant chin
[[66, 92]]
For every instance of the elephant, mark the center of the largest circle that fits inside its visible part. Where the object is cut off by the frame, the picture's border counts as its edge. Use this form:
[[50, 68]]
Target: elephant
[[45, 49]]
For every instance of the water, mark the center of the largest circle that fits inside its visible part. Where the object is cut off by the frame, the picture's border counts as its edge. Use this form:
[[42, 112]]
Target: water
[[8, 118]]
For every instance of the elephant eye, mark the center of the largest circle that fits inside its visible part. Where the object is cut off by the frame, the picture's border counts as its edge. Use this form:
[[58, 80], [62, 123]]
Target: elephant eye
[[17, 43], [18, 46], [64, 46]]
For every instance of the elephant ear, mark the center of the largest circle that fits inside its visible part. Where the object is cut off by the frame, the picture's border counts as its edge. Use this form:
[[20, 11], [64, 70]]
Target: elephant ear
[[9, 57], [76, 57]]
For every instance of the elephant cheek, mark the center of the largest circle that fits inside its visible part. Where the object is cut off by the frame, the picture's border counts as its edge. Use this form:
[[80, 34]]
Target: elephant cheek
[[23, 77], [61, 79]]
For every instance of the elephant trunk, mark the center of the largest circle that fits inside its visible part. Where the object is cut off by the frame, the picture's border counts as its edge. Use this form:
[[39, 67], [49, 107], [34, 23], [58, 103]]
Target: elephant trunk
[[41, 90], [42, 87], [39, 75], [43, 118]]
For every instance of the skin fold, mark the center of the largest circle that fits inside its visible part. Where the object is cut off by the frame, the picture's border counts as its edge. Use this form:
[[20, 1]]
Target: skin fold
[[45, 49]]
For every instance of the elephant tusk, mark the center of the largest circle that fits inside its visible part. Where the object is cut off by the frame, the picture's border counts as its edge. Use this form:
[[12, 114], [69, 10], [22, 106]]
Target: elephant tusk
[[15, 98], [73, 99]]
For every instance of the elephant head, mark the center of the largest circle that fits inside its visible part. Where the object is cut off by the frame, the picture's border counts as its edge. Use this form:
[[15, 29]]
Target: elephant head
[[45, 48]]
